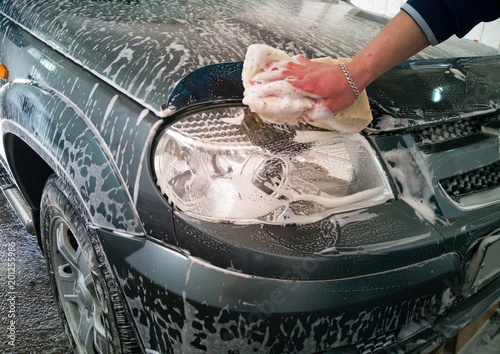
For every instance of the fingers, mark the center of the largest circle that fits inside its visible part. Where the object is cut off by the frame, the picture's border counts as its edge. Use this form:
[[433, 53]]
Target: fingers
[[295, 67], [277, 72], [282, 70], [299, 62], [304, 83], [268, 76], [289, 67], [302, 59], [276, 65]]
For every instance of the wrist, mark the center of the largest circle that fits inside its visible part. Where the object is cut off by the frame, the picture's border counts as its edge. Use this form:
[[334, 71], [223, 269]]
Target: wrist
[[350, 81], [362, 75]]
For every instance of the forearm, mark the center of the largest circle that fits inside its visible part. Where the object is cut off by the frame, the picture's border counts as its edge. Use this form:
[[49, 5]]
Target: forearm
[[396, 42]]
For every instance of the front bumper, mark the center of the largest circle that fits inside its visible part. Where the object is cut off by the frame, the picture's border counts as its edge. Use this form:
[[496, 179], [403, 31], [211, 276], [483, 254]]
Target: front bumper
[[433, 332], [184, 304]]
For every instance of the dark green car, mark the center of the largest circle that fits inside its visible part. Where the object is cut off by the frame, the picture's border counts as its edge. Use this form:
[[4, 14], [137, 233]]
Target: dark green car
[[174, 220]]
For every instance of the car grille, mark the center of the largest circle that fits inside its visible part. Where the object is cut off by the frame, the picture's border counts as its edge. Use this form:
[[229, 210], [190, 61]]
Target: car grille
[[478, 180], [445, 132], [377, 344], [479, 184], [461, 155]]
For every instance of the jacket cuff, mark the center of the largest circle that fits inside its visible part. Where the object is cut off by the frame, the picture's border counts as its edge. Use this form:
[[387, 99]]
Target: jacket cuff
[[435, 21]]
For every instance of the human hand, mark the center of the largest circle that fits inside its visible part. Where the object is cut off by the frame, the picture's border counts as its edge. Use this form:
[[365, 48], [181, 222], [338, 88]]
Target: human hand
[[325, 82]]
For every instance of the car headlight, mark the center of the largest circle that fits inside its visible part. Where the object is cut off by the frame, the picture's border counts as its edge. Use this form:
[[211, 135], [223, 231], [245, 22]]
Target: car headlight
[[225, 164]]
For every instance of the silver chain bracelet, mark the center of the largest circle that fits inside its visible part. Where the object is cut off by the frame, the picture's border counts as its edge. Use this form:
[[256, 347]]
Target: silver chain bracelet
[[349, 79]]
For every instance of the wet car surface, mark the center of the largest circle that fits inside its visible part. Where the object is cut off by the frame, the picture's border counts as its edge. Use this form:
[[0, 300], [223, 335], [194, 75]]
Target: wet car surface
[[36, 327], [125, 144]]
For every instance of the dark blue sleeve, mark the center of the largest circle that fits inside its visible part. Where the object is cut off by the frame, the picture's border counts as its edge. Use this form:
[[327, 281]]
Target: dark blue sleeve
[[440, 19]]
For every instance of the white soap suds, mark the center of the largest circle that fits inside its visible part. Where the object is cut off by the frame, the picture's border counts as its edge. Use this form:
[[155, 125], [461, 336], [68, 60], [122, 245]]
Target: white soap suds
[[406, 166], [269, 92], [458, 74], [277, 101]]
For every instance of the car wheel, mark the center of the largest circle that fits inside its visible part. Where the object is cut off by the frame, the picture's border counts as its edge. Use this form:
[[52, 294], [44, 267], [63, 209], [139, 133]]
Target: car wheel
[[84, 288]]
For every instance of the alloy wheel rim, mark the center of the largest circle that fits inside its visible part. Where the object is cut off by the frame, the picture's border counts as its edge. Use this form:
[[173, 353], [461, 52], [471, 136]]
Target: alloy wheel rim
[[77, 291]]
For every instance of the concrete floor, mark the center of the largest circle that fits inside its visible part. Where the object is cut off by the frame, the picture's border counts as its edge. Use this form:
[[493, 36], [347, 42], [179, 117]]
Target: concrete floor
[[29, 322]]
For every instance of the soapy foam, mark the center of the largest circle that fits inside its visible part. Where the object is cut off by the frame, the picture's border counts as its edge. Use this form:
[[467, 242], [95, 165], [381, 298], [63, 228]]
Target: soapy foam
[[277, 100], [257, 58]]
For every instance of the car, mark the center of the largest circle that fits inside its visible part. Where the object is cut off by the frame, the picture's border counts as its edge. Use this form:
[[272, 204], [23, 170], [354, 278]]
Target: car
[[173, 219]]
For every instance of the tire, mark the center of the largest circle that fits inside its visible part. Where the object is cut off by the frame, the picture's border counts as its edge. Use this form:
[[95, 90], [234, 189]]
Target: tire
[[86, 293]]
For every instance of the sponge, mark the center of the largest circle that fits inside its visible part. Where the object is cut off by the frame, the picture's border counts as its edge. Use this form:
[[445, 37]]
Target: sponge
[[280, 102]]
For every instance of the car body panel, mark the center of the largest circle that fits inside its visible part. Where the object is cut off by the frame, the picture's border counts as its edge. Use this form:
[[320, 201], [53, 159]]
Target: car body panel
[[270, 315], [393, 236], [51, 125], [101, 75], [59, 103], [143, 49], [420, 92], [207, 84]]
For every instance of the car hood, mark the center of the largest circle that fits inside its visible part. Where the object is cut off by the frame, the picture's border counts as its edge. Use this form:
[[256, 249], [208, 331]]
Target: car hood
[[145, 48]]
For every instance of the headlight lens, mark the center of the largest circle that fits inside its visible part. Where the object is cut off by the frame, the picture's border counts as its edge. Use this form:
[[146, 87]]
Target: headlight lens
[[225, 164]]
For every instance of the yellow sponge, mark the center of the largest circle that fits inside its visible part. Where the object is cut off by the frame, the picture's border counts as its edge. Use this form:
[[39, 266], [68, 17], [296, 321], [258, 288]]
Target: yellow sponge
[[351, 119]]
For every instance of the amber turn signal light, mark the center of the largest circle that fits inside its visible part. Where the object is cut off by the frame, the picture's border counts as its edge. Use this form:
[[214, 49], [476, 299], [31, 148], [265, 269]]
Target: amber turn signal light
[[4, 72]]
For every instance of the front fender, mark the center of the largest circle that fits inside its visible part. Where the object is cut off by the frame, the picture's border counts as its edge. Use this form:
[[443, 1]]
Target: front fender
[[72, 146]]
